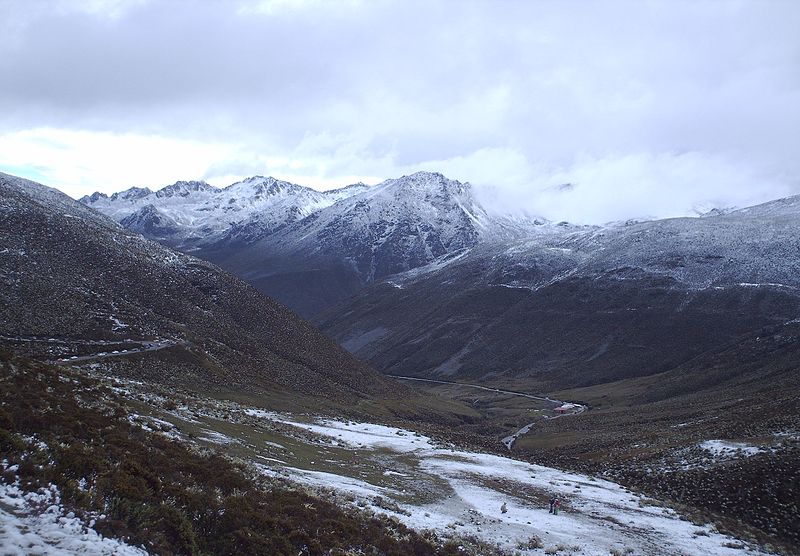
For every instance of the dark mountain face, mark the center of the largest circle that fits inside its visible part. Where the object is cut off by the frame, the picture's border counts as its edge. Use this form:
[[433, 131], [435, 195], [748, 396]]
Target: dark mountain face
[[68, 273], [583, 307], [329, 255], [149, 222]]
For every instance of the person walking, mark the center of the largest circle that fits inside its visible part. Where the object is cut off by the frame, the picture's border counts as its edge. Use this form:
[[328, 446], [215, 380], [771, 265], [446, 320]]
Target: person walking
[[552, 503], [556, 506]]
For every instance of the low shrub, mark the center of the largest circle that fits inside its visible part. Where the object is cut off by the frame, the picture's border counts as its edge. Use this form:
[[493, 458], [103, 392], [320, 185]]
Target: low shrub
[[157, 493]]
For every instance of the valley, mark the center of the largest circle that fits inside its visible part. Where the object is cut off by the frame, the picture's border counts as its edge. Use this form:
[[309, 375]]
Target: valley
[[500, 404], [462, 367], [391, 278], [484, 503]]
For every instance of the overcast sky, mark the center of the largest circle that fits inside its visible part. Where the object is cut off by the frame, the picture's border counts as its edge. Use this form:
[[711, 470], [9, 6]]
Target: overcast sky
[[647, 108]]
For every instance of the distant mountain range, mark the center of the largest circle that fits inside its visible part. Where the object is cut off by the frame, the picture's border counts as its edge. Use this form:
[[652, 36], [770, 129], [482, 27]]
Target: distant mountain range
[[310, 249], [416, 277], [190, 213]]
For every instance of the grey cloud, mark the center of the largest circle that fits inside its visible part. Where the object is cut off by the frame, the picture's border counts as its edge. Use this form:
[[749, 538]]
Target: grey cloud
[[408, 84]]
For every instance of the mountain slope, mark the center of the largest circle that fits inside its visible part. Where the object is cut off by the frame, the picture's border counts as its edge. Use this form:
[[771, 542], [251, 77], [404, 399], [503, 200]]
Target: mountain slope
[[392, 227], [82, 473], [69, 274], [584, 306]]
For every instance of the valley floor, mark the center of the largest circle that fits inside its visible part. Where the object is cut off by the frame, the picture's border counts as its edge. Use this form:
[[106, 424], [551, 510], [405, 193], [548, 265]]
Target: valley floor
[[429, 485]]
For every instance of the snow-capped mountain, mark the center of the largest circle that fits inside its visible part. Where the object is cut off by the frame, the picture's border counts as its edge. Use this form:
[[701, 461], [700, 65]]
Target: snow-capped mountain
[[190, 213], [395, 226], [284, 237], [584, 304]]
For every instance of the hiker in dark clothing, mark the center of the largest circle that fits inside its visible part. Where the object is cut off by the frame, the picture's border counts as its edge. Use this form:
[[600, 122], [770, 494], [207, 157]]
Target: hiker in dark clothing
[[552, 503]]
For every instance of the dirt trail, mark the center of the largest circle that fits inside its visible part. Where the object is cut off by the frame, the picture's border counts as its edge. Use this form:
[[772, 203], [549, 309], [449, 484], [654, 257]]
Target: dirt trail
[[105, 348], [145, 347], [570, 408]]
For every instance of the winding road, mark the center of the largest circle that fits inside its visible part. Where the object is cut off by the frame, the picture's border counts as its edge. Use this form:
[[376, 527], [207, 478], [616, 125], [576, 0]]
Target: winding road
[[571, 408], [141, 346], [146, 346]]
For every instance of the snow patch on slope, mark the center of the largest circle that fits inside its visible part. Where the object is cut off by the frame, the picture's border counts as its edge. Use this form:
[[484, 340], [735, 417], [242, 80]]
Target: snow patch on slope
[[598, 516], [37, 523], [726, 449]]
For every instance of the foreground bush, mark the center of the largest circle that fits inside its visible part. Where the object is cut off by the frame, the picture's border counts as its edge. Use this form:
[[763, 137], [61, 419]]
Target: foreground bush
[[62, 428]]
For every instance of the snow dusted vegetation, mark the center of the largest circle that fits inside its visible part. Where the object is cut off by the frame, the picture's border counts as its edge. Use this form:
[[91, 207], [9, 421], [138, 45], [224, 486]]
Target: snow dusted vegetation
[[37, 523], [426, 484], [460, 491], [724, 449]]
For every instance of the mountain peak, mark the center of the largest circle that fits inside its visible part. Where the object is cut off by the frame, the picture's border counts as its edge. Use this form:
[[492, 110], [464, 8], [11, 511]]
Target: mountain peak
[[183, 189], [357, 185], [257, 185], [423, 177], [130, 193], [257, 180], [428, 183], [426, 174], [93, 198]]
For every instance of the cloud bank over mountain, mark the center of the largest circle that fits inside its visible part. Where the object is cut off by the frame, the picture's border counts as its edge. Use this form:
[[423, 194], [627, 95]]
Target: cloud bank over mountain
[[648, 109]]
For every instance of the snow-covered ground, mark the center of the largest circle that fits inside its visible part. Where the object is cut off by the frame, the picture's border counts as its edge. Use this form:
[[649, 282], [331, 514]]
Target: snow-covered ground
[[460, 492], [429, 485], [725, 449], [710, 453], [36, 523]]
